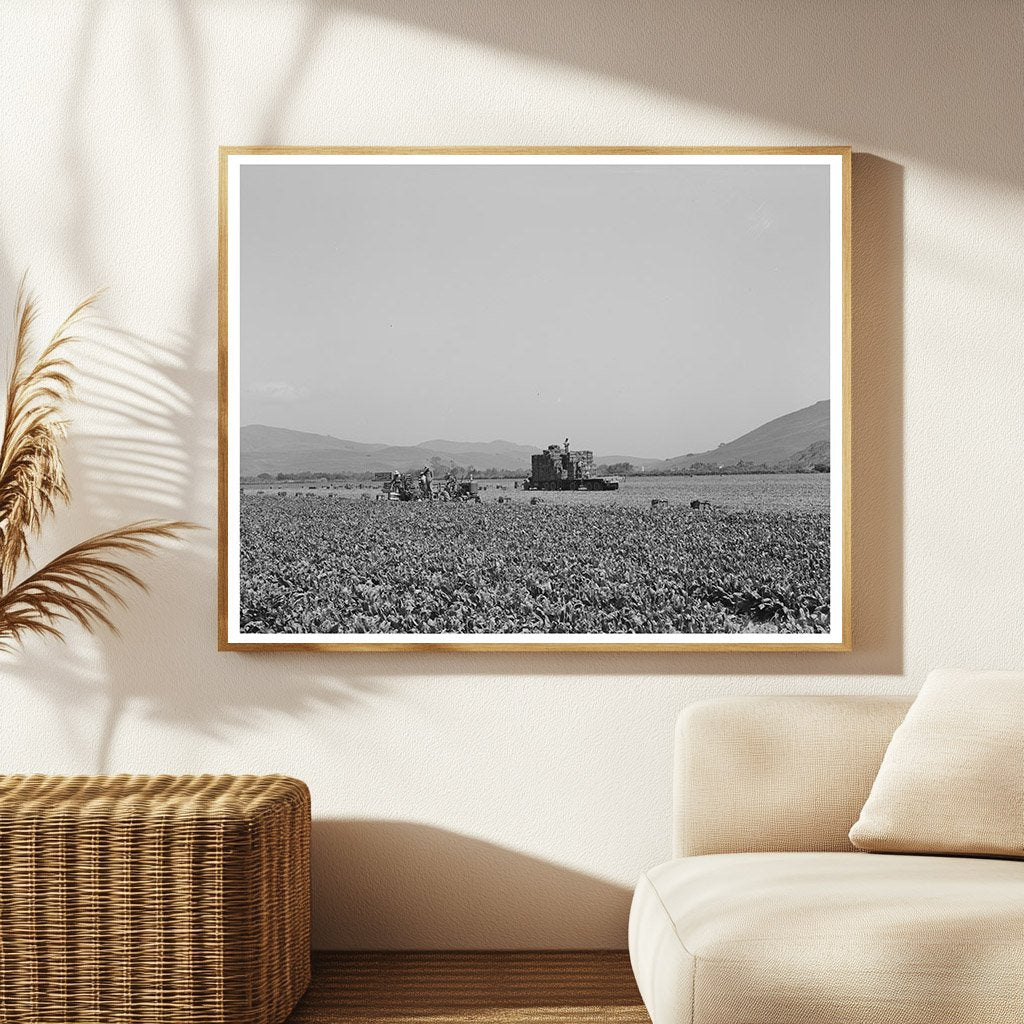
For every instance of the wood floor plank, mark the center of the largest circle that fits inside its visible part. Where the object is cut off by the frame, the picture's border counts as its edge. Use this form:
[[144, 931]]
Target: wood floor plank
[[594, 987]]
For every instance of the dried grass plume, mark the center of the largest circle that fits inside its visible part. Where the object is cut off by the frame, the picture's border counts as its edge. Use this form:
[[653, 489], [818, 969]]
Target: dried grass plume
[[84, 582]]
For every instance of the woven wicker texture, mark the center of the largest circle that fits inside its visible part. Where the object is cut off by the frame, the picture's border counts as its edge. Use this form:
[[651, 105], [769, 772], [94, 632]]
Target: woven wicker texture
[[138, 899]]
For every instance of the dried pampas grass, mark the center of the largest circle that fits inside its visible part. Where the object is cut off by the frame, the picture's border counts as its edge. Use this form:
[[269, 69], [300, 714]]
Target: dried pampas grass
[[83, 583]]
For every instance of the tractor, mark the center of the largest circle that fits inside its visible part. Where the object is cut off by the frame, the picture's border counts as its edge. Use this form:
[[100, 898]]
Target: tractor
[[411, 487]]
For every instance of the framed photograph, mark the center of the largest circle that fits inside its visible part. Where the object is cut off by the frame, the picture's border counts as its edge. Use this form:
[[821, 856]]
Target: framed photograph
[[566, 399]]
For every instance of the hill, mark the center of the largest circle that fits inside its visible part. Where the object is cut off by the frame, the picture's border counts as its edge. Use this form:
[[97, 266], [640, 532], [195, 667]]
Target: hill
[[259, 438], [501, 449], [818, 454], [773, 442], [274, 450]]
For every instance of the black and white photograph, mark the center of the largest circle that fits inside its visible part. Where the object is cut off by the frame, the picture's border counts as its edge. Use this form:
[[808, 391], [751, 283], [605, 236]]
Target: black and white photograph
[[551, 398]]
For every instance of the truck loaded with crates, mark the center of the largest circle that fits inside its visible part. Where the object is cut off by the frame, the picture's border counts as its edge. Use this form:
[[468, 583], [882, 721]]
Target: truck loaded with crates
[[558, 468]]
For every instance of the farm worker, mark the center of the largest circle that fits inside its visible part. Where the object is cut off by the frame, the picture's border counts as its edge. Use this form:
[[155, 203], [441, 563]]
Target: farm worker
[[425, 478]]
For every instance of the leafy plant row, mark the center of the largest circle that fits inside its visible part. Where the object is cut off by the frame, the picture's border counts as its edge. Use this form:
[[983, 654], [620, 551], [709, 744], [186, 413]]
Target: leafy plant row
[[315, 566]]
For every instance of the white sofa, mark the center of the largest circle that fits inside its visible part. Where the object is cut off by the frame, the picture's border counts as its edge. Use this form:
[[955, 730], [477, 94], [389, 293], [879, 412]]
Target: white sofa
[[767, 914]]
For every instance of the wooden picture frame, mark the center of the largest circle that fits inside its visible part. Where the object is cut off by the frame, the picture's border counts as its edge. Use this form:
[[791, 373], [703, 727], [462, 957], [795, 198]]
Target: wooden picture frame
[[802, 621]]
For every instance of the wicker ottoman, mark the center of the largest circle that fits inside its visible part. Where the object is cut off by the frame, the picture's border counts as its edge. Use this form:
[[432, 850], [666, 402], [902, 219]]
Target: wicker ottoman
[[132, 899]]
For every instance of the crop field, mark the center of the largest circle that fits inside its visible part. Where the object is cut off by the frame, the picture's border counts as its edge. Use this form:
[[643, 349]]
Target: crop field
[[325, 561]]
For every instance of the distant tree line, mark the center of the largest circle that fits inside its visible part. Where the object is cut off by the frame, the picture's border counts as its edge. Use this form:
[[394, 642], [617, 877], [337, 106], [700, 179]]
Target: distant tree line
[[741, 467], [706, 469], [308, 476], [440, 469], [304, 477]]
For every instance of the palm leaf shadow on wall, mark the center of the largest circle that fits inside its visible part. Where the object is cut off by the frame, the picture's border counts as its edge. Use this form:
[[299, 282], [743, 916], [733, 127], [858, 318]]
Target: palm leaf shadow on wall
[[84, 582]]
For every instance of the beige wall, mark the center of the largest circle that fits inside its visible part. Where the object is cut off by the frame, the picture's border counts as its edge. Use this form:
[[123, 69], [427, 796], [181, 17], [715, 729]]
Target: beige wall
[[504, 800]]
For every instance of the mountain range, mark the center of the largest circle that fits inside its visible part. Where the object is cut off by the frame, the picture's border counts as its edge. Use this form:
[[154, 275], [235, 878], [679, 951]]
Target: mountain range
[[798, 440], [266, 449]]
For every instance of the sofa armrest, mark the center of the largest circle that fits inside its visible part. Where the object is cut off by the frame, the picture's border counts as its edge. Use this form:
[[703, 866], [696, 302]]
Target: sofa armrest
[[759, 774]]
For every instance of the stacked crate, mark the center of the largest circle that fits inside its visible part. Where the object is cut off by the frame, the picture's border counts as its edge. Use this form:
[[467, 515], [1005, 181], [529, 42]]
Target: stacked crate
[[548, 465], [584, 464]]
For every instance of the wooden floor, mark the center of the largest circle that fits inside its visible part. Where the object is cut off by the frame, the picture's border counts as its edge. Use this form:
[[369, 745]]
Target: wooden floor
[[464, 988]]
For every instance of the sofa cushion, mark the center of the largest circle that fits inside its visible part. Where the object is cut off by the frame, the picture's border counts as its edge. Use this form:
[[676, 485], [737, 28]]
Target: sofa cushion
[[950, 781], [756, 774], [833, 938]]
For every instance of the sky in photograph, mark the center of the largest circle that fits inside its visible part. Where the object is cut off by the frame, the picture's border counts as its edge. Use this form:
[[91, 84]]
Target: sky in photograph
[[640, 310]]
